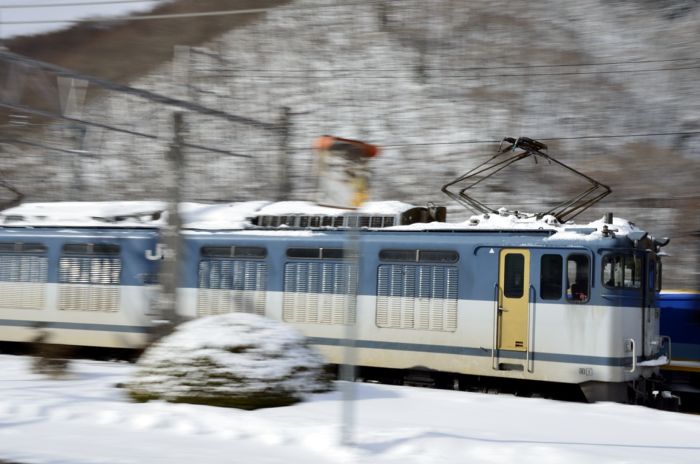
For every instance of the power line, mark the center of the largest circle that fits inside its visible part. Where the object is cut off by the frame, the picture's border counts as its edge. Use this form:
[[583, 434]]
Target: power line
[[145, 94], [52, 5], [466, 77], [580, 137], [46, 114], [466, 69], [46, 147]]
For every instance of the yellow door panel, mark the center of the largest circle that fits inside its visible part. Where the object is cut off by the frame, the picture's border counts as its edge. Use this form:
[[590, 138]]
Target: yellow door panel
[[513, 299]]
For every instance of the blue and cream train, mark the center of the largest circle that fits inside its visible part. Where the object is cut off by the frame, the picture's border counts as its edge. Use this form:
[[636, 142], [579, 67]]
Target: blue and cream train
[[506, 297]]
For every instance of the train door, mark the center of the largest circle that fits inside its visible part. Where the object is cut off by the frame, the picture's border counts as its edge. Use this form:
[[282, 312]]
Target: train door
[[513, 299], [650, 310]]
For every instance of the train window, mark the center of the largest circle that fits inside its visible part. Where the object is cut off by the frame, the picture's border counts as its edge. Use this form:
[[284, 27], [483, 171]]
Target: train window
[[234, 252], [249, 252], [304, 253], [91, 249], [219, 252], [317, 253], [514, 275], [551, 274], [337, 253], [622, 270], [19, 247], [577, 280], [398, 255], [438, 256], [425, 256]]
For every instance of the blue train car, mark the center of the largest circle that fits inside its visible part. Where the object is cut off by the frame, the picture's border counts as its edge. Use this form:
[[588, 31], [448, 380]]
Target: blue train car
[[85, 282], [529, 300], [680, 321]]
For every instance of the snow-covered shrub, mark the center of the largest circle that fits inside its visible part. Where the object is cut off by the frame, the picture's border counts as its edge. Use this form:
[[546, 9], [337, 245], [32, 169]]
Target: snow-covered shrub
[[234, 360]]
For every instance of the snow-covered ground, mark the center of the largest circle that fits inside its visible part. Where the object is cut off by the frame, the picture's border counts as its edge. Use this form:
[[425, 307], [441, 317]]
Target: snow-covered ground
[[87, 419]]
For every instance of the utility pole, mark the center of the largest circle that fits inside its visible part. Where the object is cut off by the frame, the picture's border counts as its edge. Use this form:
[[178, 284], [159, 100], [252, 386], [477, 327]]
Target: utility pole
[[284, 187], [171, 247]]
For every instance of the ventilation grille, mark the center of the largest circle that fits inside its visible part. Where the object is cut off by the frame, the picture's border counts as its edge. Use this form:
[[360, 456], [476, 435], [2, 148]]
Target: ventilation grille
[[304, 221], [89, 284], [102, 270], [320, 293], [88, 298], [417, 297], [228, 285], [18, 268]]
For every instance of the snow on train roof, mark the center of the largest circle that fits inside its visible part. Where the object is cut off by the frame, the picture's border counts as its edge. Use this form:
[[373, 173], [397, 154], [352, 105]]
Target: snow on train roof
[[232, 216]]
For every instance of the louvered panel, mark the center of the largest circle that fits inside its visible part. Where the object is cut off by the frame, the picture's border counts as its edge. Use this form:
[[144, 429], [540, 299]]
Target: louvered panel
[[89, 283], [408, 301], [382, 312], [22, 295], [340, 274], [288, 299], [329, 295], [350, 286], [91, 297], [451, 298], [23, 281], [231, 286], [312, 302], [396, 292], [437, 301], [317, 293], [420, 297], [301, 293], [204, 302], [423, 303]]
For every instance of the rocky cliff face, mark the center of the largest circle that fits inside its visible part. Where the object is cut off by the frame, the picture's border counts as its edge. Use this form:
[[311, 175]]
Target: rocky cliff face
[[437, 87]]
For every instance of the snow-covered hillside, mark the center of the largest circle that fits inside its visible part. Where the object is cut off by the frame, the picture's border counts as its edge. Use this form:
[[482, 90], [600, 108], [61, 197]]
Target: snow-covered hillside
[[424, 83]]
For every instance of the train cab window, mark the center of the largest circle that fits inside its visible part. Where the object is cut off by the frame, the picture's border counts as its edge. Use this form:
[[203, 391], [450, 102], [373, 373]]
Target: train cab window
[[577, 278], [622, 270], [551, 276], [514, 275]]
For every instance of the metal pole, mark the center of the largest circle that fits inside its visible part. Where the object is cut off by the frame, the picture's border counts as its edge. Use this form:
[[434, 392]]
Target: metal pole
[[170, 235], [284, 188], [348, 368]]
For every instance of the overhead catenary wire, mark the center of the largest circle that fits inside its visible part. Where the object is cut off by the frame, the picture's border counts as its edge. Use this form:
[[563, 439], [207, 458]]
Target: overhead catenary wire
[[145, 94], [365, 76], [577, 137], [46, 114], [463, 69]]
